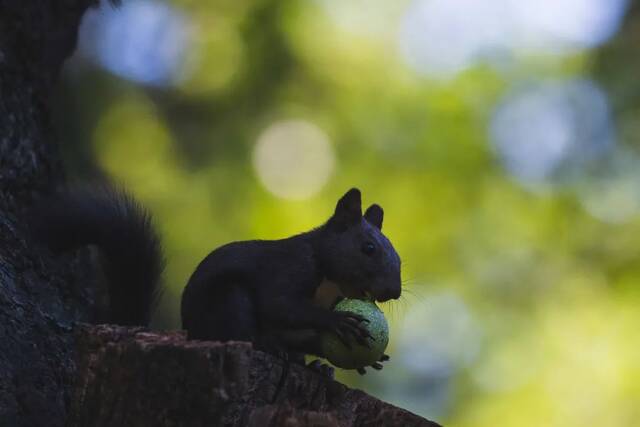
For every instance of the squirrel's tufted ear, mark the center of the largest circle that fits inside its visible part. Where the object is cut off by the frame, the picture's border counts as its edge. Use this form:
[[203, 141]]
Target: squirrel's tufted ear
[[374, 215], [348, 210]]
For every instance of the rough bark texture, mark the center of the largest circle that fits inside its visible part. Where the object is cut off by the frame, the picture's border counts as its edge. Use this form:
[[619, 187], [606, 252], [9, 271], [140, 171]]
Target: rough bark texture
[[132, 377], [37, 303]]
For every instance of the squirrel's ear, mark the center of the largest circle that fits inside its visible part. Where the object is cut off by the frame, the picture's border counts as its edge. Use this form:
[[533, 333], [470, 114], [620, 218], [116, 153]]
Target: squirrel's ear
[[348, 210], [374, 215]]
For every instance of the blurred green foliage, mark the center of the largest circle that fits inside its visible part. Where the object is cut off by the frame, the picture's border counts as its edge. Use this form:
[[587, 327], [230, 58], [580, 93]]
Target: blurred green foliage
[[542, 324]]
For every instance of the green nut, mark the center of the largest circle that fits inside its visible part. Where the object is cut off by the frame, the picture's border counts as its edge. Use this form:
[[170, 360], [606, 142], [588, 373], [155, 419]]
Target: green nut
[[358, 356]]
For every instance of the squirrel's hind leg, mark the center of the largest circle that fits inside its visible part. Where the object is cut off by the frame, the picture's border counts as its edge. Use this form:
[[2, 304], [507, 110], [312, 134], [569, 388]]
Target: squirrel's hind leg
[[229, 316]]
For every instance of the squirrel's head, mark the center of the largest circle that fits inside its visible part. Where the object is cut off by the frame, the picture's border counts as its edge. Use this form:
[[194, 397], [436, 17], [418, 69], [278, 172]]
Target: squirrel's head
[[355, 253]]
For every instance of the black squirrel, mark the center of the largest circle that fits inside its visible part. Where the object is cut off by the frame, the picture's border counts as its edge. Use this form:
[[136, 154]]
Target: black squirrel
[[261, 291]]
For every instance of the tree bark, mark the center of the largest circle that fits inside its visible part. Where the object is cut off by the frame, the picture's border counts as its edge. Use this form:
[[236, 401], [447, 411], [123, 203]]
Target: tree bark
[[132, 377], [37, 303]]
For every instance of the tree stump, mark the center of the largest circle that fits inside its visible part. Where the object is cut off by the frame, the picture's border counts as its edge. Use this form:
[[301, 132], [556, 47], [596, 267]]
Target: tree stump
[[133, 377]]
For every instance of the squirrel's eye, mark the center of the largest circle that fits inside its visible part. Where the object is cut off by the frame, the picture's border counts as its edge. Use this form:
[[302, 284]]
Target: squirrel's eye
[[368, 248]]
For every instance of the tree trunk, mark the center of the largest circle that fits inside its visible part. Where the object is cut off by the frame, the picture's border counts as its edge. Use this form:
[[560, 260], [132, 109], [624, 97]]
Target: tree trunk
[[37, 304], [132, 377]]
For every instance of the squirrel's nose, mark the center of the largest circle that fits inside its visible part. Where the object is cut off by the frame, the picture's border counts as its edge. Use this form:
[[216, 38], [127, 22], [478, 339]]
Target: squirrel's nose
[[394, 293], [388, 294]]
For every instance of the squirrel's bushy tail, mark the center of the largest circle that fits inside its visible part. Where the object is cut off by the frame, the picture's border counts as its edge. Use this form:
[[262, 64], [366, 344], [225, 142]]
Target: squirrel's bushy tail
[[121, 228]]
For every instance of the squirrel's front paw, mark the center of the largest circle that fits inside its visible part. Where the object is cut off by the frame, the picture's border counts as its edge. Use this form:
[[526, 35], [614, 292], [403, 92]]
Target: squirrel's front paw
[[375, 365], [349, 326]]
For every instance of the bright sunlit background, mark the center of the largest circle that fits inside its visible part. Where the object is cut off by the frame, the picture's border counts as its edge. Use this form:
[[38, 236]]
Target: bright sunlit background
[[502, 138]]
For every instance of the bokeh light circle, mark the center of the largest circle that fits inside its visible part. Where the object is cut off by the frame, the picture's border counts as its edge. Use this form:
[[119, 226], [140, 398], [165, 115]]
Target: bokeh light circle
[[441, 38], [568, 24], [544, 129], [293, 159], [144, 41]]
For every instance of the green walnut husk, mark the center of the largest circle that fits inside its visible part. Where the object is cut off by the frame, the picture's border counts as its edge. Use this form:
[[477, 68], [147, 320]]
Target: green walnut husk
[[358, 356]]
